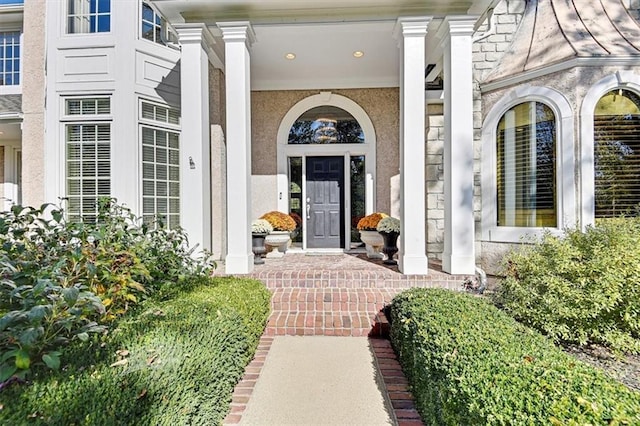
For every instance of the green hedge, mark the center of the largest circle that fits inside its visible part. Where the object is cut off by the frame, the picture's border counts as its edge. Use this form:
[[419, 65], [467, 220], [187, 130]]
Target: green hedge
[[183, 358], [469, 363]]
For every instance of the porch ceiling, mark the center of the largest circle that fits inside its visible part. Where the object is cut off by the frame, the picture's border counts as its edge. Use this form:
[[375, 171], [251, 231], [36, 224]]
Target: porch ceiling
[[323, 35]]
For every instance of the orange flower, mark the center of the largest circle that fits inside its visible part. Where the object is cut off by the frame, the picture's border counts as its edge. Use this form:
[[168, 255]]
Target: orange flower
[[369, 223], [280, 221]]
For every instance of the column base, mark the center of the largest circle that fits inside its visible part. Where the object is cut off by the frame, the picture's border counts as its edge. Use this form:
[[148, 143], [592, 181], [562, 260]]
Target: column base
[[458, 265], [238, 264], [413, 265]]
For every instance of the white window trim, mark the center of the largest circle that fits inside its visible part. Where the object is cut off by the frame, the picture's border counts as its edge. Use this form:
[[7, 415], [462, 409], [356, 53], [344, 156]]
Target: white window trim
[[368, 149], [620, 80], [65, 20], [15, 89], [565, 164], [157, 123]]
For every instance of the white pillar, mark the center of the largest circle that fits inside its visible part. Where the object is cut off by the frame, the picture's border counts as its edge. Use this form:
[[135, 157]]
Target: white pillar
[[195, 148], [459, 253], [238, 37], [411, 34]]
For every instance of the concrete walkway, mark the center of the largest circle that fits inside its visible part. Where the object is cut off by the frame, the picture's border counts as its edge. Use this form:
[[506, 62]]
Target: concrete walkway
[[319, 380]]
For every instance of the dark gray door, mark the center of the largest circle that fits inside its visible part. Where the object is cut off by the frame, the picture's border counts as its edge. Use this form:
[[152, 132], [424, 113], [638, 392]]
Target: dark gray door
[[325, 195]]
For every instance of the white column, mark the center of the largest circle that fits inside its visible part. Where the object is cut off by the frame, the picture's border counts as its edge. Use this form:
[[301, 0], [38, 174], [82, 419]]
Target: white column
[[238, 37], [195, 150], [459, 253], [411, 34]]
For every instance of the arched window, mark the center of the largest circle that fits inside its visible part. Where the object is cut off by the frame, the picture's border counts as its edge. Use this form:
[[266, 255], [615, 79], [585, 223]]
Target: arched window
[[326, 125], [616, 129], [526, 167]]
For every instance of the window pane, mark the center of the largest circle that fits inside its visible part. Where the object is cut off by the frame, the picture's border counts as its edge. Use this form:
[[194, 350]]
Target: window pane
[[295, 191], [526, 148], [617, 154], [358, 191], [326, 125]]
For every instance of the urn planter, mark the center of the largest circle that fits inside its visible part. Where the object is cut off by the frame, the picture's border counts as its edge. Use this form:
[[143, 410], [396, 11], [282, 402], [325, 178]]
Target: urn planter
[[373, 243], [258, 248], [277, 242], [390, 247]]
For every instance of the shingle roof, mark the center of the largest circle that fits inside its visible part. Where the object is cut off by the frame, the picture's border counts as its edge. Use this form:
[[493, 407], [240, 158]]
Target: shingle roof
[[554, 31], [10, 104]]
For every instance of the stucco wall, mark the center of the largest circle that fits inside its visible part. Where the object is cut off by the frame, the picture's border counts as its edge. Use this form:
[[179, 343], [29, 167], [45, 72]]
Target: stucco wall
[[33, 97], [268, 108], [1, 175]]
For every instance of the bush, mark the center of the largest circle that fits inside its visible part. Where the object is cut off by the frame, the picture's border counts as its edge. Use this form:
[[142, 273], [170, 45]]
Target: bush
[[581, 288], [469, 363], [51, 271], [174, 362]]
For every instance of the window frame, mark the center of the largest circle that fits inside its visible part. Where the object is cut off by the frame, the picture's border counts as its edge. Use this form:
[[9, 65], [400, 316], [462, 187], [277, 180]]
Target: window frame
[[565, 165], [68, 16], [84, 119], [19, 44], [164, 126], [620, 80]]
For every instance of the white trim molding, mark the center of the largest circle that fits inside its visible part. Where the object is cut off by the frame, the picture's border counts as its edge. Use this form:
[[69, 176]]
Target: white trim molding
[[368, 149], [620, 80], [565, 164]]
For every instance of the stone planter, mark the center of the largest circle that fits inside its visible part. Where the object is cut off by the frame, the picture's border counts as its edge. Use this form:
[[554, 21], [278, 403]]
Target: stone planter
[[258, 248], [390, 246], [277, 243], [374, 243]]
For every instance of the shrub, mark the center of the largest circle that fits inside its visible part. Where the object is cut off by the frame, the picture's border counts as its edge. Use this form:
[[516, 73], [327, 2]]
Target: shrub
[[52, 269], [580, 288], [370, 222], [174, 362], [469, 363], [280, 221]]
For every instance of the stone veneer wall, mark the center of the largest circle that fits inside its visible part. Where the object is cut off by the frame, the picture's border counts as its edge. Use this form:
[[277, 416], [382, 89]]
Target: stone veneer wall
[[268, 108], [492, 43]]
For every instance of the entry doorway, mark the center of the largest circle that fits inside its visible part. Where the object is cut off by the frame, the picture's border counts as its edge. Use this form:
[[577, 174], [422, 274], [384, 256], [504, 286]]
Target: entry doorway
[[324, 203]]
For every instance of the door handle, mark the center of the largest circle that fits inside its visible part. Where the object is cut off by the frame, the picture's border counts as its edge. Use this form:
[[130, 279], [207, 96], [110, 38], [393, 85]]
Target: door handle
[[308, 208]]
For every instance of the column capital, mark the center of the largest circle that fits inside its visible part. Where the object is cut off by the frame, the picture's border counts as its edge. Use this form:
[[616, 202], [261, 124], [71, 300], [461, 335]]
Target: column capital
[[237, 31], [194, 33], [457, 25], [411, 27]]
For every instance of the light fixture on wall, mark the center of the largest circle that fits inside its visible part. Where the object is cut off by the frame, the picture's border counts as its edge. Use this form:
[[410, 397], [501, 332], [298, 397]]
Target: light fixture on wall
[[192, 164]]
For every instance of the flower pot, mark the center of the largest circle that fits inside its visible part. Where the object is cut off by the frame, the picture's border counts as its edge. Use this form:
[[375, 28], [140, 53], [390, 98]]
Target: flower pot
[[390, 246], [374, 243], [277, 242], [258, 248]]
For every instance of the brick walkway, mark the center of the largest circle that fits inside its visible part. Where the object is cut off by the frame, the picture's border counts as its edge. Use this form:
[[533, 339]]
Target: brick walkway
[[336, 295]]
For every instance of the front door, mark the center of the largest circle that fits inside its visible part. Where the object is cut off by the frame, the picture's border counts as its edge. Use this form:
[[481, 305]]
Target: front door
[[325, 197]]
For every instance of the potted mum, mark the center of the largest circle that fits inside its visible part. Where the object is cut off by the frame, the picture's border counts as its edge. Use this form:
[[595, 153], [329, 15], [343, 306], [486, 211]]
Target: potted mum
[[260, 228], [282, 225], [389, 228], [369, 234]]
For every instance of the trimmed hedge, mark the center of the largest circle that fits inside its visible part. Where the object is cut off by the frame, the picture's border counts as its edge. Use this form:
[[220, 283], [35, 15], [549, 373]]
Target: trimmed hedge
[[469, 363], [175, 362]]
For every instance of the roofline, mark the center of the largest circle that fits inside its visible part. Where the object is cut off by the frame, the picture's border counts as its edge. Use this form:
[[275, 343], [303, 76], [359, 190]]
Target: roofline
[[559, 66]]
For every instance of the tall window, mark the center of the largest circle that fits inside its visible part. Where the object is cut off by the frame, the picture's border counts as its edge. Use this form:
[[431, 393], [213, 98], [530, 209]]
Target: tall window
[[88, 16], [526, 161], [326, 125], [160, 165], [88, 143], [9, 58], [617, 154]]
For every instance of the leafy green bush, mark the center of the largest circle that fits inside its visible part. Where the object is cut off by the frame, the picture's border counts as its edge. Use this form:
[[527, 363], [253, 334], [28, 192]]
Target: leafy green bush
[[581, 288], [52, 269], [469, 363], [174, 362]]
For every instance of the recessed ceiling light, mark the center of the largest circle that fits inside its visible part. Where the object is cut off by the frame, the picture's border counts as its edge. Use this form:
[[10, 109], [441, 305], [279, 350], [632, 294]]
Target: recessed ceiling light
[[290, 56], [358, 54]]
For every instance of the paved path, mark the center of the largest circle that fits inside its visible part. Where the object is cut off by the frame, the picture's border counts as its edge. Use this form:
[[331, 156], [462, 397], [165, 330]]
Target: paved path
[[319, 380]]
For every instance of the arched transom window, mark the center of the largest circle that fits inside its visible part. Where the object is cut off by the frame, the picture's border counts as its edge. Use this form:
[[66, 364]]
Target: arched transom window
[[326, 125], [526, 167], [616, 126]]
